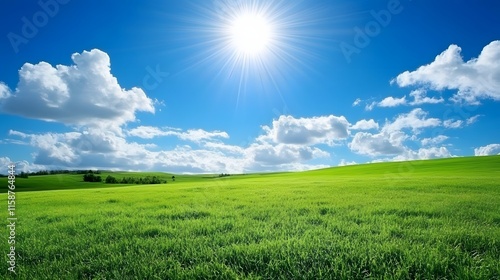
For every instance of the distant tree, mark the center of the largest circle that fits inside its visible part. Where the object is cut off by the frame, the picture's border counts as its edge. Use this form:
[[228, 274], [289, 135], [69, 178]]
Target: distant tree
[[90, 177], [155, 180], [111, 180], [173, 178], [23, 175]]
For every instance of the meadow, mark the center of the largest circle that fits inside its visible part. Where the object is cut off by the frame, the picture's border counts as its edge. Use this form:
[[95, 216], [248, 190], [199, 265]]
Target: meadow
[[435, 219]]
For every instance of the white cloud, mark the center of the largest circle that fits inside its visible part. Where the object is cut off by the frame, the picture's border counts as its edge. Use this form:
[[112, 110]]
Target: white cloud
[[197, 135], [271, 155], [475, 79], [434, 140], [365, 125], [96, 148], [225, 148], [307, 131], [194, 135], [20, 166], [344, 162], [4, 91], [356, 102], [433, 152], [390, 140], [416, 120], [84, 94], [453, 123], [491, 149], [392, 102], [4, 163], [472, 119], [370, 106], [424, 153], [378, 144], [147, 132], [420, 97]]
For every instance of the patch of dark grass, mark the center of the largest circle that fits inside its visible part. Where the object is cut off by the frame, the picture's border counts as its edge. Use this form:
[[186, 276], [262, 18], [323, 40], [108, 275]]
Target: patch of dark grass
[[408, 213], [190, 215], [151, 232]]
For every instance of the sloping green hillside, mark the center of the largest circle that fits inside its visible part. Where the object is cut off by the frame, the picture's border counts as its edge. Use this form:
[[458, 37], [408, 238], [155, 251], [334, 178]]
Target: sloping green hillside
[[438, 220]]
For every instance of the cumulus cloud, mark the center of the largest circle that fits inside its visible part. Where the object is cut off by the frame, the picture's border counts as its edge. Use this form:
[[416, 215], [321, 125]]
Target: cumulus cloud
[[378, 144], [420, 97], [267, 154], [344, 162], [103, 149], [4, 163], [423, 153], [392, 140], [475, 79], [453, 123], [197, 135], [472, 119], [225, 148], [491, 149], [365, 125], [20, 166], [415, 120], [84, 94], [194, 135], [392, 102], [370, 106], [308, 131], [147, 132], [73, 149], [4, 91], [434, 140], [356, 102]]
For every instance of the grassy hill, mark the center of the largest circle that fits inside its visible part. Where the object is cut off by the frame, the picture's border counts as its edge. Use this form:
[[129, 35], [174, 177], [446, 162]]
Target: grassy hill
[[448, 168], [75, 181], [436, 219]]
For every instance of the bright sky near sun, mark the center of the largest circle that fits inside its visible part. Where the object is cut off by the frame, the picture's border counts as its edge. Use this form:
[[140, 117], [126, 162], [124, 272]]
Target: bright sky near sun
[[212, 86]]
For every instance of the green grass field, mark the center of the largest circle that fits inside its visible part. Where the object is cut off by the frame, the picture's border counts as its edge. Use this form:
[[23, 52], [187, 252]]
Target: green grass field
[[436, 219]]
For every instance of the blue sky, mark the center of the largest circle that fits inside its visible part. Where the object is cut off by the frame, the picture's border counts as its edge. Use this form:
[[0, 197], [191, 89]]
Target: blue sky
[[246, 86]]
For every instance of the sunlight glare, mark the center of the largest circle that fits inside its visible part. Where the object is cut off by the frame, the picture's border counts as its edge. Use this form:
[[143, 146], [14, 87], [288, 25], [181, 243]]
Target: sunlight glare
[[250, 34]]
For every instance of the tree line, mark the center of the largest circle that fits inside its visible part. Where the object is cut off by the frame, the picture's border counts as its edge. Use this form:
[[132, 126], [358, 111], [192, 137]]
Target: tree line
[[91, 177], [54, 172]]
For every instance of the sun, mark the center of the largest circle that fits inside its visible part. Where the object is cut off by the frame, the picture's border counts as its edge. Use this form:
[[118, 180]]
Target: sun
[[250, 34], [253, 46]]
